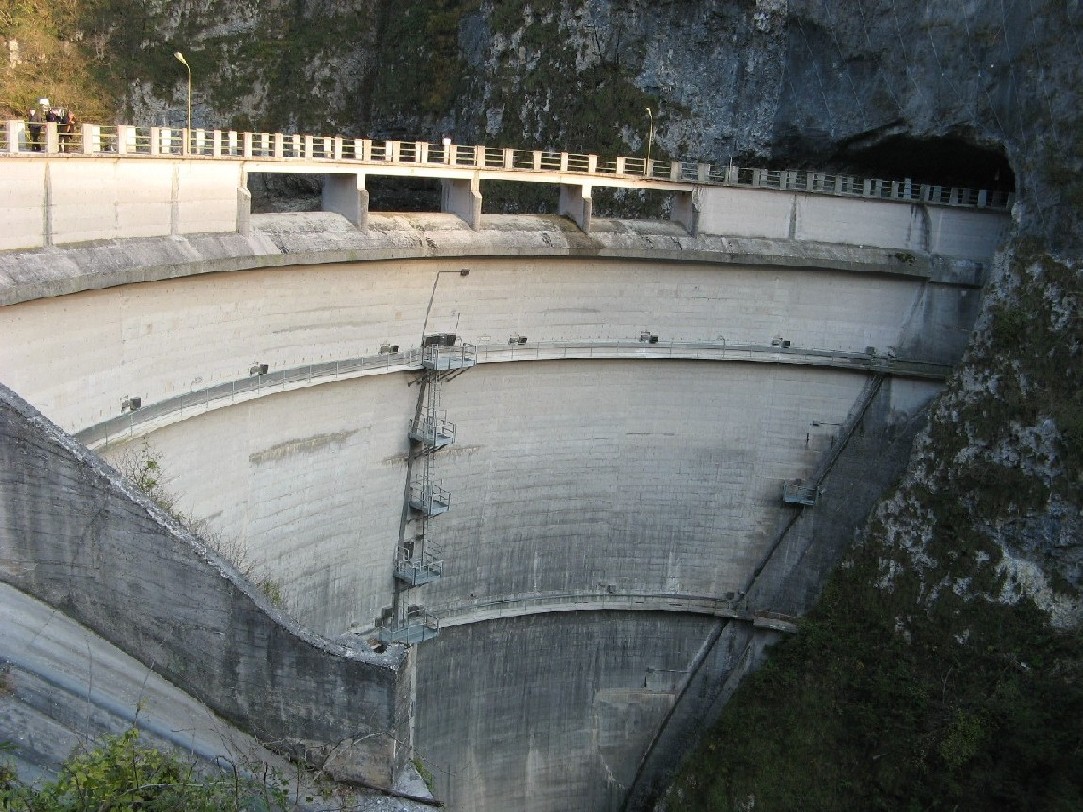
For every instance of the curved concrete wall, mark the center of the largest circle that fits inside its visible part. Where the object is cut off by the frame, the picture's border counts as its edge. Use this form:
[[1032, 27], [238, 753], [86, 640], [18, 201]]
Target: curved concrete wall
[[77, 357], [309, 484], [590, 687], [657, 480]]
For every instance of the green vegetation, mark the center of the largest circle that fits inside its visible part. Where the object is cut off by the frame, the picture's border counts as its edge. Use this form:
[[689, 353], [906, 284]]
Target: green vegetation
[[123, 774], [916, 683], [421, 67], [424, 772], [54, 57], [881, 703]]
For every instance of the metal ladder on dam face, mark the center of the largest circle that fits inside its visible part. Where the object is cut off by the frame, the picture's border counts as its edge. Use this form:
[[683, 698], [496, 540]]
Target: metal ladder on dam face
[[803, 492], [419, 559]]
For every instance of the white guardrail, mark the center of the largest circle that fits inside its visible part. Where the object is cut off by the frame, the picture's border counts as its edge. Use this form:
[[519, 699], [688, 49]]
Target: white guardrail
[[50, 138]]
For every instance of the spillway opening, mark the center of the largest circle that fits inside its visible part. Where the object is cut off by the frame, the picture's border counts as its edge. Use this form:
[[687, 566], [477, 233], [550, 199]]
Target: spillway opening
[[277, 192], [946, 161], [394, 194], [509, 197]]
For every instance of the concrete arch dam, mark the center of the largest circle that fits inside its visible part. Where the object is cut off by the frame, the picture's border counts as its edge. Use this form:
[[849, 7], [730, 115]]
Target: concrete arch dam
[[618, 548]]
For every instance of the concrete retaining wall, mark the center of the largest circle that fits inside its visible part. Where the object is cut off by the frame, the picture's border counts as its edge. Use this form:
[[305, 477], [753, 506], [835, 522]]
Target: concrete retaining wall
[[573, 483], [22, 204], [69, 199], [907, 227], [74, 536]]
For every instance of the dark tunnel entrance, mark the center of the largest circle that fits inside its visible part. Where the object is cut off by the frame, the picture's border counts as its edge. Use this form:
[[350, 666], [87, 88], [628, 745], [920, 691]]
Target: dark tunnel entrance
[[948, 161]]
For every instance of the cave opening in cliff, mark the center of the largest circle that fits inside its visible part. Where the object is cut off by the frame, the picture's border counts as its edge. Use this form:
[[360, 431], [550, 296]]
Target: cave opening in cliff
[[946, 161]]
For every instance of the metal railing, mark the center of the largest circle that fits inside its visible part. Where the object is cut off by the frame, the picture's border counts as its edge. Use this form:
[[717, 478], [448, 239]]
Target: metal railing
[[429, 498], [202, 400], [17, 138]]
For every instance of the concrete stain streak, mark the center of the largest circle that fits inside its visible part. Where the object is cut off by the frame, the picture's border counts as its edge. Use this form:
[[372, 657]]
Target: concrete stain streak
[[305, 445]]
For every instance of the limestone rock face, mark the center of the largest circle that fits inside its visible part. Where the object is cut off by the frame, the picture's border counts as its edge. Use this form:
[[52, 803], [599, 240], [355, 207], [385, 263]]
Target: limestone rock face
[[885, 87]]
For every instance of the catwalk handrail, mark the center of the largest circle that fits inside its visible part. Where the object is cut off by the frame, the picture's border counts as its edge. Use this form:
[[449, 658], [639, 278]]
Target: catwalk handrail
[[19, 138], [155, 412]]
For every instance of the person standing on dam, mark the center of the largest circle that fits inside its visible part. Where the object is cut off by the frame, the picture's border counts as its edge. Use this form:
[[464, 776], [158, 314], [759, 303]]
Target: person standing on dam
[[33, 131]]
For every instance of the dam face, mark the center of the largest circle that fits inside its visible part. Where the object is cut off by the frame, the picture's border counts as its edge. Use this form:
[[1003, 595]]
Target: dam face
[[618, 549]]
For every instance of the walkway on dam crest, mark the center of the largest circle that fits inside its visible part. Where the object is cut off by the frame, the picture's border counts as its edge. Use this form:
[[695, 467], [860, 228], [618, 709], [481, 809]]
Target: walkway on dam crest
[[345, 162]]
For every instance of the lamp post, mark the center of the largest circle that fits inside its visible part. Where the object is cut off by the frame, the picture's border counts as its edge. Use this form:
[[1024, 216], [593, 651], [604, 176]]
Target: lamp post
[[650, 140], [188, 129]]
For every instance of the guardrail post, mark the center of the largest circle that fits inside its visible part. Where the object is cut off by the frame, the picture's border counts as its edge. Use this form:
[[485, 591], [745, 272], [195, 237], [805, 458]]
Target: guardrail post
[[246, 145], [564, 162], [732, 174], [983, 198], [757, 177], [421, 152], [703, 172], [366, 149], [155, 140], [509, 158], [592, 164], [307, 146], [392, 151], [620, 165], [537, 160], [675, 170], [866, 188], [15, 128], [479, 156], [279, 145], [337, 147], [216, 143], [92, 138]]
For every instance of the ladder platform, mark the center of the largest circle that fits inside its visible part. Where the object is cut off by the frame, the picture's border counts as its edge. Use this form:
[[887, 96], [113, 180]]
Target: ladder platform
[[429, 499], [413, 573]]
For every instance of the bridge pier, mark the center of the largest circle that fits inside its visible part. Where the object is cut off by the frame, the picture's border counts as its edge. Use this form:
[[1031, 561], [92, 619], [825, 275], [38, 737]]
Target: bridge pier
[[686, 211], [462, 197], [577, 204], [345, 193]]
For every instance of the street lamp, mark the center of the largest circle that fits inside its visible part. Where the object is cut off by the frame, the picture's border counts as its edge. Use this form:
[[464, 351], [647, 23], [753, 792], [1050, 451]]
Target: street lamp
[[650, 140], [188, 130]]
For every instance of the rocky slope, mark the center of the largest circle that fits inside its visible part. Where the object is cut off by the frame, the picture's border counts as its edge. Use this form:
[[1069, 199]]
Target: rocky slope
[[983, 92]]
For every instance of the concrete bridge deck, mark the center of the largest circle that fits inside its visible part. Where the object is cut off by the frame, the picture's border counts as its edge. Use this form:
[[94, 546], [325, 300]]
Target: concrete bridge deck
[[155, 181]]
